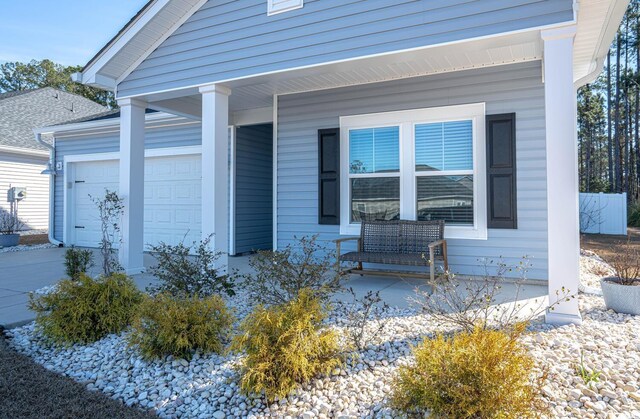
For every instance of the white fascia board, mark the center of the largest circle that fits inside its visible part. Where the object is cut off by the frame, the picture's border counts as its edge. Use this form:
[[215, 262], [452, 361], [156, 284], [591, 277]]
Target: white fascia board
[[95, 80], [608, 31], [160, 40], [24, 151], [91, 75], [391, 55], [101, 124], [124, 38], [101, 82]]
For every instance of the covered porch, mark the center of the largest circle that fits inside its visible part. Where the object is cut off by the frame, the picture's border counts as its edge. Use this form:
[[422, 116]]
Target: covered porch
[[257, 100]]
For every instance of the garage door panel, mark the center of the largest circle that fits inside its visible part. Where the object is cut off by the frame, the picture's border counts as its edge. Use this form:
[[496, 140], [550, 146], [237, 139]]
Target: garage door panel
[[98, 172], [174, 192], [172, 199]]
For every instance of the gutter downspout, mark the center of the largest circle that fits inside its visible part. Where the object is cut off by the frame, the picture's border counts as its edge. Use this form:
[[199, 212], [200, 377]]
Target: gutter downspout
[[52, 184]]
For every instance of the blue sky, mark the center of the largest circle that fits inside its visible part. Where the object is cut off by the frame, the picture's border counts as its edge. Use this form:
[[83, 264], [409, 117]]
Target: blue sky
[[69, 32]]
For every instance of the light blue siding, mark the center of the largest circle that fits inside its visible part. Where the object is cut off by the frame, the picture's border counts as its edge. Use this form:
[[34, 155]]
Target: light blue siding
[[513, 88], [254, 188], [232, 39], [107, 143]]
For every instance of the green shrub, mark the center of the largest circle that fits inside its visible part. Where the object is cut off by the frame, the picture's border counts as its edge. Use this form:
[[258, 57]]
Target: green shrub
[[479, 374], [85, 310], [281, 274], [77, 261], [633, 217], [284, 346], [168, 325], [188, 270]]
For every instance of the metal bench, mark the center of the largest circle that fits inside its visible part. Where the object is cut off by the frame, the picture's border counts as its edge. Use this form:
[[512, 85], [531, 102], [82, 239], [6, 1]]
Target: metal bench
[[397, 242]]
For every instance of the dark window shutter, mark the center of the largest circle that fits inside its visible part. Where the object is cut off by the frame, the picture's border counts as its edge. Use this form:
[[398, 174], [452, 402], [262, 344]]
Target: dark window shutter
[[501, 171], [329, 176]]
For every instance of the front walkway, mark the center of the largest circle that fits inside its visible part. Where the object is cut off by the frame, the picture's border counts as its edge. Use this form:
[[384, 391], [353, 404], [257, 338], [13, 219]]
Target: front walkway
[[26, 271]]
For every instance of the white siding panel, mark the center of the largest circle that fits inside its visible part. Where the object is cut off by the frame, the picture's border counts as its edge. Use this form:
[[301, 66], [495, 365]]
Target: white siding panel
[[17, 170], [514, 88]]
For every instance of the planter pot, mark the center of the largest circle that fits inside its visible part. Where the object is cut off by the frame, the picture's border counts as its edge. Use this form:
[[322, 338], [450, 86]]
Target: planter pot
[[621, 298], [8, 240]]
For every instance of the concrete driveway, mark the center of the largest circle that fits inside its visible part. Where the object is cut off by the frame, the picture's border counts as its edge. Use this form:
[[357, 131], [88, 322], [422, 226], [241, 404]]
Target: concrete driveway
[[29, 270]]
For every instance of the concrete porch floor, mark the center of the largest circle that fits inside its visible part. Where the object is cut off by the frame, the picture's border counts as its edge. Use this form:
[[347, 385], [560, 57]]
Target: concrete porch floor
[[26, 271]]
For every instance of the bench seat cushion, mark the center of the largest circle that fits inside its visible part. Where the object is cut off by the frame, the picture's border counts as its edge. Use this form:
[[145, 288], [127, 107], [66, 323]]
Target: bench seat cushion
[[412, 259]]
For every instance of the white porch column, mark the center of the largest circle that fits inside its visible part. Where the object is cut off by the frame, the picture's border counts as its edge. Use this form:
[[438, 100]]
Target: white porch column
[[562, 173], [132, 121], [215, 168]]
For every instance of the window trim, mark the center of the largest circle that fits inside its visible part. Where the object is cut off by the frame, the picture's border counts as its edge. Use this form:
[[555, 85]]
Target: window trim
[[284, 6], [407, 120]]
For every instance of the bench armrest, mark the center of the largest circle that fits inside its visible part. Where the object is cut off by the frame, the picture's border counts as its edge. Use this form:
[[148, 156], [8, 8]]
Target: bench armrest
[[437, 243], [344, 239], [339, 242]]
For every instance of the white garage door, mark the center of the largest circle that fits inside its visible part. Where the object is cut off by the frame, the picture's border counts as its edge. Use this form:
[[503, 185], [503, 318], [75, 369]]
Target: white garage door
[[172, 199]]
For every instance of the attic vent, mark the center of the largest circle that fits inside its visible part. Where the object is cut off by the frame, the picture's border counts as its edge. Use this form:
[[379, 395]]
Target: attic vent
[[280, 6]]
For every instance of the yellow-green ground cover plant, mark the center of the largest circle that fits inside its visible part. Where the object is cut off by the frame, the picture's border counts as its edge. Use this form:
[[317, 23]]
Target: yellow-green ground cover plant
[[285, 345], [479, 369], [479, 374], [84, 310], [179, 326]]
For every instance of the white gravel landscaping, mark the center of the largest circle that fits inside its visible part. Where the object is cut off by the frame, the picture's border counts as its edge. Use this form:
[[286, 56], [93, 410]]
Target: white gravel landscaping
[[23, 247], [592, 269], [207, 385]]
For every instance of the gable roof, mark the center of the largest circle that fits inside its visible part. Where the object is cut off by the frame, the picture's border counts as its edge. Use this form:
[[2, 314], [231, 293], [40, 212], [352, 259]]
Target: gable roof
[[154, 23], [21, 112], [596, 21]]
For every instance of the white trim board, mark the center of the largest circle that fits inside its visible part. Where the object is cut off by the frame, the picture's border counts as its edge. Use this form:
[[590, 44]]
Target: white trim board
[[90, 74], [160, 40], [25, 151], [232, 190], [389, 54], [91, 127], [406, 121], [275, 172]]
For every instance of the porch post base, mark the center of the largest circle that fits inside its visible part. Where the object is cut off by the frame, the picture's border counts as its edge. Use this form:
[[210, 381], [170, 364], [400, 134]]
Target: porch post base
[[135, 271], [561, 319]]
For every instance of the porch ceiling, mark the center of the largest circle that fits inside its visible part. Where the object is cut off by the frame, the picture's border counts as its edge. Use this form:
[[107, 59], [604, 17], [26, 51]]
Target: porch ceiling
[[597, 22], [257, 92]]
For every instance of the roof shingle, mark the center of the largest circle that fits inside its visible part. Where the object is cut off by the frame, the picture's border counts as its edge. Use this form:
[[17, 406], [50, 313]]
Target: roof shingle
[[21, 112]]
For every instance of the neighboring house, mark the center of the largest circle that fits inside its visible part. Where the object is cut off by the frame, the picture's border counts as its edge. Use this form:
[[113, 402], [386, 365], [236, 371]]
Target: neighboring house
[[22, 159], [421, 109]]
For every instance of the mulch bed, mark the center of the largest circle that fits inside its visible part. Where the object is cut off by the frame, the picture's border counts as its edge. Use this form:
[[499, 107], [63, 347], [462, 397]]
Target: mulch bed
[[32, 239], [606, 246], [28, 390]]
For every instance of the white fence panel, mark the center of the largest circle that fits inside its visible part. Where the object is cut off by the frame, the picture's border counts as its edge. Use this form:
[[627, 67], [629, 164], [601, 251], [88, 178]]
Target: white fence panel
[[602, 213]]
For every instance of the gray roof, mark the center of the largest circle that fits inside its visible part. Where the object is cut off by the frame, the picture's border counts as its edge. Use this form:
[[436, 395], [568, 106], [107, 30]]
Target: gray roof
[[21, 112]]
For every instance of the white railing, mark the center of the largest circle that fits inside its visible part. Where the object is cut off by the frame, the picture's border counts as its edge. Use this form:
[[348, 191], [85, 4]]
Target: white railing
[[602, 213]]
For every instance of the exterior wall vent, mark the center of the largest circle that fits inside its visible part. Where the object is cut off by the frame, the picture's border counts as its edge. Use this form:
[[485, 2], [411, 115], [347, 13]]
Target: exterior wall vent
[[281, 6]]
